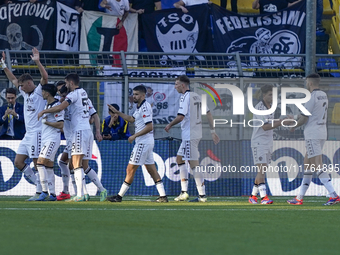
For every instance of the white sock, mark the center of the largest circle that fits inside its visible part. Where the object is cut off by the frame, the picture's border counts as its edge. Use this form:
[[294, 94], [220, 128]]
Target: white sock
[[51, 180], [327, 182], [65, 175], [183, 173], [124, 189], [94, 178], [73, 182], [43, 177], [79, 178], [255, 190], [198, 176], [29, 173], [160, 188], [262, 190], [307, 178], [84, 187], [38, 188]]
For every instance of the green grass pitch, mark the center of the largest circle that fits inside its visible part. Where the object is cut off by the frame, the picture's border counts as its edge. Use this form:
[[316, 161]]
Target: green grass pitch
[[223, 225]]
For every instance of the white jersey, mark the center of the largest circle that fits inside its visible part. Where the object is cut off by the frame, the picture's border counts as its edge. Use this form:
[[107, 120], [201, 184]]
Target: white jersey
[[316, 125], [190, 107], [143, 116], [194, 2], [261, 137], [79, 109], [33, 104], [117, 8], [48, 132]]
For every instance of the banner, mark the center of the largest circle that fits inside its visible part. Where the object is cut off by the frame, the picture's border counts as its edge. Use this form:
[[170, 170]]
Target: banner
[[173, 31], [227, 155], [278, 33], [99, 33], [162, 97], [67, 36], [24, 26]]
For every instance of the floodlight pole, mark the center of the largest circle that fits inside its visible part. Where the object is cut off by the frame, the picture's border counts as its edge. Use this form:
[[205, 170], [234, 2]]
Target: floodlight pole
[[310, 36]]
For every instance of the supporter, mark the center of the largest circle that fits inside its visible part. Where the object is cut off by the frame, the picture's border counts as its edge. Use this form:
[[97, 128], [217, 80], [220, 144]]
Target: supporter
[[319, 12], [115, 127], [182, 3], [140, 7], [115, 8], [233, 5], [12, 117], [270, 6]]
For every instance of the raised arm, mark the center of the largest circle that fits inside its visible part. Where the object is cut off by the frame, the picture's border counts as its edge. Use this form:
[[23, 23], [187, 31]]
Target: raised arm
[[9, 74], [43, 73]]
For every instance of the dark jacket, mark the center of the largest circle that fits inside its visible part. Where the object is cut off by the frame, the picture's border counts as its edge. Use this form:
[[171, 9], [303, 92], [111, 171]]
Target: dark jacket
[[120, 131], [18, 124]]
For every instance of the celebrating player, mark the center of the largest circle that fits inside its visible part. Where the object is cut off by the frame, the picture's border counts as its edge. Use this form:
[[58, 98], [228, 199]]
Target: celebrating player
[[189, 115], [315, 133], [262, 144], [52, 123], [34, 103], [82, 137], [143, 150], [65, 164]]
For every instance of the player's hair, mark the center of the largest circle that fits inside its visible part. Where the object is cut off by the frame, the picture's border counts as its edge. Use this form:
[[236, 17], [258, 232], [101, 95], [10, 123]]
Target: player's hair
[[59, 83], [50, 88], [266, 88], [314, 78], [25, 77], [183, 78], [73, 77], [140, 88], [11, 91], [115, 106]]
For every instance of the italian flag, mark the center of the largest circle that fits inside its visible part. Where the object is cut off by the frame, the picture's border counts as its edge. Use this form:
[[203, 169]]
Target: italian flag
[[99, 33]]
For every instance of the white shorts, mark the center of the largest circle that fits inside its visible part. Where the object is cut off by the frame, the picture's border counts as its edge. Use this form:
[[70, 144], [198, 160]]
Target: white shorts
[[68, 148], [30, 145], [262, 154], [82, 142], [142, 154], [314, 147], [189, 149], [49, 149]]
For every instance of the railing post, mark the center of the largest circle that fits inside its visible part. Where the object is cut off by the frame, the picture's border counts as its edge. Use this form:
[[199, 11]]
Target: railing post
[[310, 36]]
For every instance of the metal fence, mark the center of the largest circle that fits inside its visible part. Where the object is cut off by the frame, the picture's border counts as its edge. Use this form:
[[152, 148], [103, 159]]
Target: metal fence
[[241, 70]]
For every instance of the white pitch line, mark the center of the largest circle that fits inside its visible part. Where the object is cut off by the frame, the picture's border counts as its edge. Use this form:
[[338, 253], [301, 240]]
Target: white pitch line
[[162, 209]]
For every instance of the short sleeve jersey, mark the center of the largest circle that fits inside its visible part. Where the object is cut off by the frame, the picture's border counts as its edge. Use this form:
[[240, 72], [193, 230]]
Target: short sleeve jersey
[[316, 125], [49, 132], [79, 109], [143, 116], [261, 137], [190, 107], [118, 8], [33, 104]]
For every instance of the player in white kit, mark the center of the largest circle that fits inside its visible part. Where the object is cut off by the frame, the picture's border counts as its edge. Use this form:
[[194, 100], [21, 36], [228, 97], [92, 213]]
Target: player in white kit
[[50, 142], [262, 144], [142, 153], [315, 133], [65, 164], [33, 104], [82, 137], [190, 117]]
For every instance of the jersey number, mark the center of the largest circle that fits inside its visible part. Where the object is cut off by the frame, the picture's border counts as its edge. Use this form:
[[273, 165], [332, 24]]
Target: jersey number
[[86, 105], [323, 120], [199, 105]]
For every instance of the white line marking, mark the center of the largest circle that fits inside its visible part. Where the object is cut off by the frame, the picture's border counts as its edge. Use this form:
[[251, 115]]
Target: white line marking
[[163, 209]]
